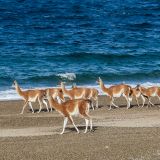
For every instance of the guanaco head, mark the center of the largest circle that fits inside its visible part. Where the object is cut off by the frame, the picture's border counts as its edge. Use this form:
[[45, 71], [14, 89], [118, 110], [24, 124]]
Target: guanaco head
[[14, 83], [138, 87], [99, 80]]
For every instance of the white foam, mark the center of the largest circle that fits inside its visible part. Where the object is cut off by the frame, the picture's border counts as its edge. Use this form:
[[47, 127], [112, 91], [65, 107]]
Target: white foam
[[11, 94], [69, 76]]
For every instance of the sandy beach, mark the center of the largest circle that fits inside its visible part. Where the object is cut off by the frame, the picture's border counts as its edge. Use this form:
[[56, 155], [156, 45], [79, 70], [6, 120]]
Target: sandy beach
[[119, 134]]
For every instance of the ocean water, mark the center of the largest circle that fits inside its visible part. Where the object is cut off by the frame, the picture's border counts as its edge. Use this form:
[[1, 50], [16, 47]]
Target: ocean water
[[43, 42]]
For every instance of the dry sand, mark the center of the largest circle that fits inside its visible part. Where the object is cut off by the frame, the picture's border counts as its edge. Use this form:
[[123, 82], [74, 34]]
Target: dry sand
[[119, 134]]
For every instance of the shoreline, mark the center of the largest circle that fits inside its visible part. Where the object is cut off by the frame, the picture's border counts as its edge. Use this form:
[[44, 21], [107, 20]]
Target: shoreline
[[11, 94]]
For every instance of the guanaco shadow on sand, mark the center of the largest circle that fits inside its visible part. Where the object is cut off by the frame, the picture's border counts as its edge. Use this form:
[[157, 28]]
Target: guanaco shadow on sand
[[132, 106], [82, 128], [113, 107], [100, 106], [43, 110]]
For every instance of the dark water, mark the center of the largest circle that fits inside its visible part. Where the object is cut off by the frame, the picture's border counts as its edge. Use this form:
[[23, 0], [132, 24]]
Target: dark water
[[116, 40]]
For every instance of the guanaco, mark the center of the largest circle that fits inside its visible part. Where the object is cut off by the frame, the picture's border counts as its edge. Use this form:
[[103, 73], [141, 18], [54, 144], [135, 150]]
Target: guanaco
[[137, 94], [72, 108], [31, 96], [81, 93], [149, 93], [116, 91]]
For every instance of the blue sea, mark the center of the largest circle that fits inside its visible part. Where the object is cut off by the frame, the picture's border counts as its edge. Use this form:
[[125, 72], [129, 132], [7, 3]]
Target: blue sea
[[43, 42]]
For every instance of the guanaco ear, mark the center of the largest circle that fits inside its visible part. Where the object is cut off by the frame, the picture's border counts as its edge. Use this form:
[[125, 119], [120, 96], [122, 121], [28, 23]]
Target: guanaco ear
[[14, 83]]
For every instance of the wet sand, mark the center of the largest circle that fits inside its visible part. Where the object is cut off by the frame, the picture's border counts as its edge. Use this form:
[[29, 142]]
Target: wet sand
[[119, 134]]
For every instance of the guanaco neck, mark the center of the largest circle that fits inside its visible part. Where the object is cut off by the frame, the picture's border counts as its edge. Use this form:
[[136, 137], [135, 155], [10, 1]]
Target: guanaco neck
[[103, 88], [54, 104], [18, 89]]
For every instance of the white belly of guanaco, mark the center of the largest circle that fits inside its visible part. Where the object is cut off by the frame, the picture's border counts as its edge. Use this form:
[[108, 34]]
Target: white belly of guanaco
[[76, 97], [33, 99], [118, 94]]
